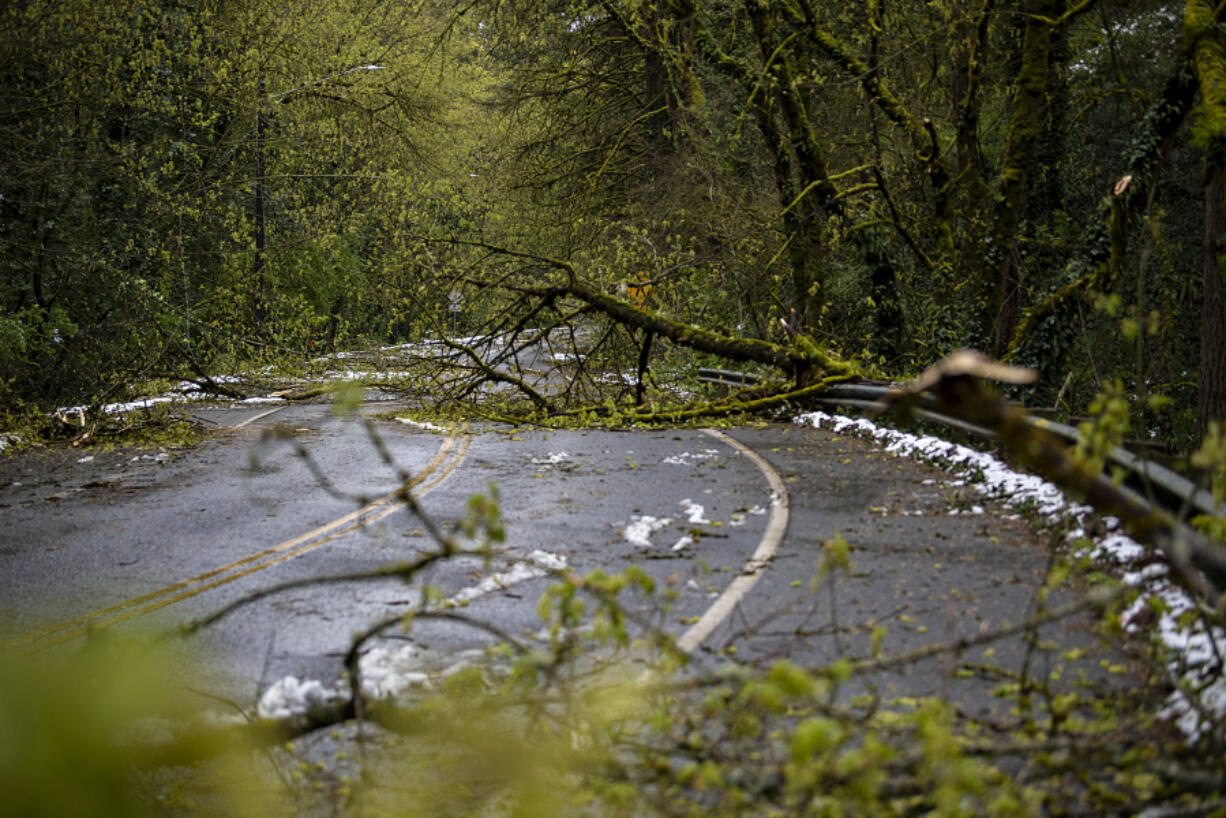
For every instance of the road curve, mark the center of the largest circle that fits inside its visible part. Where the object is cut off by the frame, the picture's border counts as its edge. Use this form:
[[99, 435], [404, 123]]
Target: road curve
[[444, 463], [768, 546], [146, 544]]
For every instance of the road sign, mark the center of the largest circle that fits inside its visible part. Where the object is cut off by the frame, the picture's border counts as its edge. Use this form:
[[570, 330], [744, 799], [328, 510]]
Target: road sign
[[638, 292]]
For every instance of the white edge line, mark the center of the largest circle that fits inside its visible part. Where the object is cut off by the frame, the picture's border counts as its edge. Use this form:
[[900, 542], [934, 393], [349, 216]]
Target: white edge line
[[776, 525], [254, 418]]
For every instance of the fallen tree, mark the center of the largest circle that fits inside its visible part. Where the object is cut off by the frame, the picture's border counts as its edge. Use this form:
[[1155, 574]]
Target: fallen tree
[[600, 335]]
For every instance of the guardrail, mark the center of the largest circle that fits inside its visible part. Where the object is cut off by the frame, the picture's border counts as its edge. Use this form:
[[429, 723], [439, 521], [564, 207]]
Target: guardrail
[[1152, 482]]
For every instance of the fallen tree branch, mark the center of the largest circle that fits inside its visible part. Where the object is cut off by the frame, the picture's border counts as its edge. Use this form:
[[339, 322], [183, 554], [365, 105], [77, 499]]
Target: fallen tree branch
[[1198, 562], [742, 407], [798, 359], [489, 373]]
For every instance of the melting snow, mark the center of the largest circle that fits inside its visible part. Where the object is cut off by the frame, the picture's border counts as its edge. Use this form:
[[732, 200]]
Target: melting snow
[[421, 424], [538, 564], [386, 672], [1194, 657], [641, 528], [741, 517], [289, 697], [390, 672], [687, 459], [693, 512]]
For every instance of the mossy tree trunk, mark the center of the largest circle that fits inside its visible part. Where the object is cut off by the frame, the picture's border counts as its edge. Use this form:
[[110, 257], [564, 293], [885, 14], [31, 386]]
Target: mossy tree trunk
[[1203, 34], [802, 178], [1211, 400], [1017, 173], [969, 24]]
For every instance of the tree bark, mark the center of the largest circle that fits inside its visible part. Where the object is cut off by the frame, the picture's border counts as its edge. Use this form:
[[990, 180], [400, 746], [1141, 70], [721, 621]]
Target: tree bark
[[802, 178], [1211, 402], [1017, 170], [1205, 41], [971, 28], [259, 272]]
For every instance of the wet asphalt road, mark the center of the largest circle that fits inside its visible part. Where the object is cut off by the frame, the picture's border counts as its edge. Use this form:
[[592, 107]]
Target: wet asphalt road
[[127, 537]]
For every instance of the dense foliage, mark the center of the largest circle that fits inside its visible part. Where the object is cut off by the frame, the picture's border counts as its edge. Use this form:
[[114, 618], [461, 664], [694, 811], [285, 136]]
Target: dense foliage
[[198, 187], [194, 187]]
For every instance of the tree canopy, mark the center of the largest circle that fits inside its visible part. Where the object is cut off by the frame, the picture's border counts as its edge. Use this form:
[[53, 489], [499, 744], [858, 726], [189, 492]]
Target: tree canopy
[[193, 188], [562, 200]]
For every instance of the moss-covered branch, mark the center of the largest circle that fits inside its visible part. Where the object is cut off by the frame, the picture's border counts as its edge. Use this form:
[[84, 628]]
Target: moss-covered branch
[[739, 407], [802, 357]]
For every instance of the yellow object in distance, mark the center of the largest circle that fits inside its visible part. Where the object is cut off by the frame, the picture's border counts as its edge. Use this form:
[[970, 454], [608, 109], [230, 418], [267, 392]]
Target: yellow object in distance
[[639, 292]]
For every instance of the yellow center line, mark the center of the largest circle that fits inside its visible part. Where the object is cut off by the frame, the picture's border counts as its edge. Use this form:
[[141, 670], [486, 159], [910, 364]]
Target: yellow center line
[[293, 547]]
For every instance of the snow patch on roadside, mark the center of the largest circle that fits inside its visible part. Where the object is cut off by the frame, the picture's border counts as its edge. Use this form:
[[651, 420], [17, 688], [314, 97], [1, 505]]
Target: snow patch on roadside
[[1194, 661], [421, 424]]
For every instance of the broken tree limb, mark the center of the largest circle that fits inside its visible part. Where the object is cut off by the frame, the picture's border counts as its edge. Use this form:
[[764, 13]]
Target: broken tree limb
[[797, 396], [489, 373], [803, 356], [1198, 562]]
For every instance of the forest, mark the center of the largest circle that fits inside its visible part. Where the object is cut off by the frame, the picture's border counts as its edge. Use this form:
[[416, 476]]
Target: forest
[[199, 189], [227, 192]]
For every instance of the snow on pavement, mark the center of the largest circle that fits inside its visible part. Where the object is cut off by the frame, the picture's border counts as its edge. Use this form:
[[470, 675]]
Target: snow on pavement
[[1194, 660], [393, 672]]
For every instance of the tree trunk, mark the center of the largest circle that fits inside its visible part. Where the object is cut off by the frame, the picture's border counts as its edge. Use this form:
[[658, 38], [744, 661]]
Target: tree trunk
[[1211, 403], [259, 272], [801, 175], [1204, 39], [1017, 169], [970, 25]]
